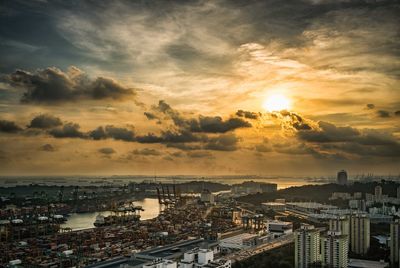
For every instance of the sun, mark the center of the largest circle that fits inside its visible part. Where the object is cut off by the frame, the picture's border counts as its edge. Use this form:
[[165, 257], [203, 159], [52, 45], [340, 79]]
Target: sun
[[276, 102]]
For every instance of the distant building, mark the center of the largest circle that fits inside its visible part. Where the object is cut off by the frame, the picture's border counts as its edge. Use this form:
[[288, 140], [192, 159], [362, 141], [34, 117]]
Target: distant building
[[359, 233], [161, 264], [207, 197], [252, 187], [202, 258], [278, 228], [357, 263], [378, 193], [340, 195], [334, 250], [273, 206], [307, 240], [340, 224], [238, 242], [394, 242], [342, 177], [358, 204]]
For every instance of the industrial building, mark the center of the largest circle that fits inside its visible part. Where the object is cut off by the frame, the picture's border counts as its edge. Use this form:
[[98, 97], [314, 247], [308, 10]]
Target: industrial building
[[279, 228]]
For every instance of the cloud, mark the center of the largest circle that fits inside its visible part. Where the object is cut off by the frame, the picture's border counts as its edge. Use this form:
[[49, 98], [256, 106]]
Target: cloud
[[200, 154], [293, 120], [69, 130], [224, 142], [247, 114], [383, 113], [370, 106], [118, 133], [216, 124], [146, 151], [47, 148], [366, 142], [45, 121], [150, 116], [263, 148], [110, 131], [205, 124], [328, 132], [51, 85], [9, 126], [397, 113], [107, 151]]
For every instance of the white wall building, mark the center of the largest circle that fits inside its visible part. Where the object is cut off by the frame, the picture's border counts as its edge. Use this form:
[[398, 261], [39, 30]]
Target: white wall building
[[202, 258]]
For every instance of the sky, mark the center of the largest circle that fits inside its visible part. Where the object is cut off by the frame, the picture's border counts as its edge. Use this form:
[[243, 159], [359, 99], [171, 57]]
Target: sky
[[291, 88]]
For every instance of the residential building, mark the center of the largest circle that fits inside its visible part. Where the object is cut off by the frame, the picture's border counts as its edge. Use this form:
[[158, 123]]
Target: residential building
[[340, 224], [359, 233], [334, 250], [394, 242], [307, 240]]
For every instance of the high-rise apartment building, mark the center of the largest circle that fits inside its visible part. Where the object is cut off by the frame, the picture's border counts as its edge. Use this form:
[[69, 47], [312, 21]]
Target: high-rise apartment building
[[307, 240], [341, 224], [359, 233], [334, 250], [394, 242]]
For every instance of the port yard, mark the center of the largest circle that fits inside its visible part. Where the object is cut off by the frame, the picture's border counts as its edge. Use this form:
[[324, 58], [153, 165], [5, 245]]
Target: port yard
[[72, 248]]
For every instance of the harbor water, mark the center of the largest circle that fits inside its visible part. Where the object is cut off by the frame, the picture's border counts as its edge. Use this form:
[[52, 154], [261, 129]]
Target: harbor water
[[80, 221]]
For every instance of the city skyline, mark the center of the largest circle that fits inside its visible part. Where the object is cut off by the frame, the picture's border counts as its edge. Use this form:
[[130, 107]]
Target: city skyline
[[301, 88]]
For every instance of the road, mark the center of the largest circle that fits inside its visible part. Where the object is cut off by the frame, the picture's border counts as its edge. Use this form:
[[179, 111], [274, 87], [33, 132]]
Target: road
[[247, 253]]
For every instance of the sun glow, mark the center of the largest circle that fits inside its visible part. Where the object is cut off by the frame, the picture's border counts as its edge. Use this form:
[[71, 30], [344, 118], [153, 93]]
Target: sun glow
[[276, 103]]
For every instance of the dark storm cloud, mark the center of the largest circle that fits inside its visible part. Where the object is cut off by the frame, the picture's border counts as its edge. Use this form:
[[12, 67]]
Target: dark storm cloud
[[47, 148], [44, 121], [382, 113], [205, 124], [146, 151], [69, 130], [247, 114], [9, 126], [107, 151], [53, 85]]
